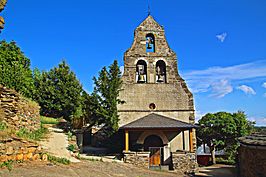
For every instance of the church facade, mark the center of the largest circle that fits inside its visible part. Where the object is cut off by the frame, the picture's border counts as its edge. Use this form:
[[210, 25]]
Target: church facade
[[158, 115]]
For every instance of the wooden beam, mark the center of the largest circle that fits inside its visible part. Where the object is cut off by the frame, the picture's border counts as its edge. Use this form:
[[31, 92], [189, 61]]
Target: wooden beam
[[183, 138], [190, 141], [126, 140]]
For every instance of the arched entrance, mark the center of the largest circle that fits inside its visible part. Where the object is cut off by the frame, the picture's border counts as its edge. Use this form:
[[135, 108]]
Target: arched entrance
[[154, 144], [152, 141]]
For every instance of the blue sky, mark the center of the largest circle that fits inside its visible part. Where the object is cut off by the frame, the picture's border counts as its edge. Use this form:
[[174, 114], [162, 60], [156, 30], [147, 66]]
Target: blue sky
[[221, 45]]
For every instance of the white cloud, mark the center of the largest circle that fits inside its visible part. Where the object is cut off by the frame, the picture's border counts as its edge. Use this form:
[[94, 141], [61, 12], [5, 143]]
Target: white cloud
[[221, 88], [246, 89], [220, 80], [121, 68], [198, 115], [260, 121], [221, 37], [264, 85]]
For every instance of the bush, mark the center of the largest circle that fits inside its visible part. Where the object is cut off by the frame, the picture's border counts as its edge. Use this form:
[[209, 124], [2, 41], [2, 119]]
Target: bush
[[71, 147], [225, 161], [2, 126], [49, 120]]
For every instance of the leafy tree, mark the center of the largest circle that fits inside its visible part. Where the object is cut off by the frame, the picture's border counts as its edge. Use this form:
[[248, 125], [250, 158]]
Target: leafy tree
[[15, 69], [221, 130], [58, 92], [104, 99]]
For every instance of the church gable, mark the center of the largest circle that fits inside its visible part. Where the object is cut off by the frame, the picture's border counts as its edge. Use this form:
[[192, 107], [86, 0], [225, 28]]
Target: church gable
[[149, 40]]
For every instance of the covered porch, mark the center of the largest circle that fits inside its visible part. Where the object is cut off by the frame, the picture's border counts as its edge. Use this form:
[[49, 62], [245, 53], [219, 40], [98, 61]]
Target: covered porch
[[151, 140]]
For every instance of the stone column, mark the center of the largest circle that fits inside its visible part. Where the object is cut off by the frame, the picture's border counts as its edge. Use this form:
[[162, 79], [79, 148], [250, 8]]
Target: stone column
[[191, 141]]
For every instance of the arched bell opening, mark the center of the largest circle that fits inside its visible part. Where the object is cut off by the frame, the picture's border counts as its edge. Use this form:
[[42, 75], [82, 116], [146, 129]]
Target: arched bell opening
[[152, 141], [150, 43], [141, 72], [160, 72]]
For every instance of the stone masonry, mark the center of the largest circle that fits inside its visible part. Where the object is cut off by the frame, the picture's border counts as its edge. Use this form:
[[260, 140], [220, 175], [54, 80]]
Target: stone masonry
[[17, 112], [184, 162], [172, 98]]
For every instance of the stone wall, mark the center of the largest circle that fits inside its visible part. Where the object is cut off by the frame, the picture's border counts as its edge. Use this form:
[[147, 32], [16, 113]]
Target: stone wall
[[140, 159], [14, 148], [18, 112], [185, 163], [252, 156]]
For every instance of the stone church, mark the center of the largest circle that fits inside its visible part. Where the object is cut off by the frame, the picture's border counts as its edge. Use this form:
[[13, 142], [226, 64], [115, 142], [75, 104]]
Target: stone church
[[158, 115]]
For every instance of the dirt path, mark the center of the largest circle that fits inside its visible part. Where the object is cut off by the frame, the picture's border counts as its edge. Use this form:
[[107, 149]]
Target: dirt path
[[218, 170], [83, 169], [57, 144]]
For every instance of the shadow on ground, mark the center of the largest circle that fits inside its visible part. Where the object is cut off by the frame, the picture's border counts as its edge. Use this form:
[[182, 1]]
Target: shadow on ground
[[218, 170]]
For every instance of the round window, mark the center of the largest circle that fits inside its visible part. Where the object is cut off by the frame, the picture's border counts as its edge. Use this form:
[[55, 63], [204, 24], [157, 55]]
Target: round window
[[152, 106]]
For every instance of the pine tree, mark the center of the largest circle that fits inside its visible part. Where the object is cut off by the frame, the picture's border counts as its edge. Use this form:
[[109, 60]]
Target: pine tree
[[104, 98], [58, 92]]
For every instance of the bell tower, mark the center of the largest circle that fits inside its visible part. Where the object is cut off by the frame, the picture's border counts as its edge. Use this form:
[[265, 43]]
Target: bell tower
[[151, 82], [150, 59]]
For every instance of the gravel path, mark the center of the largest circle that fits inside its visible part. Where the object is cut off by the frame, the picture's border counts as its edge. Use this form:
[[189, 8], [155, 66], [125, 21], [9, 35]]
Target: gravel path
[[57, 144]]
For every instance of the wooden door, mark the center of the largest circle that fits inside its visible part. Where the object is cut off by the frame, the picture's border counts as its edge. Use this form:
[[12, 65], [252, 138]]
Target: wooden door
[[155, 156]]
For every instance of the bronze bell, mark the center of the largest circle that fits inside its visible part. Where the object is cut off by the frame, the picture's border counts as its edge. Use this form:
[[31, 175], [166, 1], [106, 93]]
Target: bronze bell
[[141, 79], [149, 46], [160, 78]]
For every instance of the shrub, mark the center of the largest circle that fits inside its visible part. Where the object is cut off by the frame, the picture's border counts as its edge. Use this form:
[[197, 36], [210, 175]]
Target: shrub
[[71, 147], [225, 161], [2, 126], [49, 120]]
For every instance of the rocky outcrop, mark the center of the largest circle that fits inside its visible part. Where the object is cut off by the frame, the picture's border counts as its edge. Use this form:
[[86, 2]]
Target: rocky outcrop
[[18, 112]]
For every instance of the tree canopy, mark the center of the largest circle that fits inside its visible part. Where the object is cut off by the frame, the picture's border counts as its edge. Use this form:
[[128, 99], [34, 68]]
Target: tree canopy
[[102, 103], [58, 92], [221, 130], [15, 69]]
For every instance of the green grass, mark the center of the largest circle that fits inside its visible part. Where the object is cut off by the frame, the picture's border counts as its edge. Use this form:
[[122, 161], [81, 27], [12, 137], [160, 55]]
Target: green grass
[[49, 120], [35, 135], [7, 164], [54, 159]]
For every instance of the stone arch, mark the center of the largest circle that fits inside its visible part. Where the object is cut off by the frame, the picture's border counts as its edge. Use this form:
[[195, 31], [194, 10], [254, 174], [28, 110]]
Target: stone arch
[[160, 71], [150, 43], [141, 71], [145, 134]]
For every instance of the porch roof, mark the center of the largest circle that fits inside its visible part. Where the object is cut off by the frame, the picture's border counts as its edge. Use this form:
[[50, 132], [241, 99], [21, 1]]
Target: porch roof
[[156, 121]]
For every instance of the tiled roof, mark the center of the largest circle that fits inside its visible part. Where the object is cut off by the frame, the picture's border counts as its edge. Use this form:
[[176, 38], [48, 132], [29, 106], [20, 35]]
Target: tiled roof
[[156, 121]]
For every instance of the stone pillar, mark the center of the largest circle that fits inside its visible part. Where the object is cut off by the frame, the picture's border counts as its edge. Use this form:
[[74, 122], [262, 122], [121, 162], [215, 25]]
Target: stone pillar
[[191, 149]]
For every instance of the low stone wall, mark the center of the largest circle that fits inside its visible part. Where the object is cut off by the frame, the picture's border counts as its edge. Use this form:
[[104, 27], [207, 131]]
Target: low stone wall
[[14, 149], [140, 159], [252, 156], [18, 112], [185, 163]]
